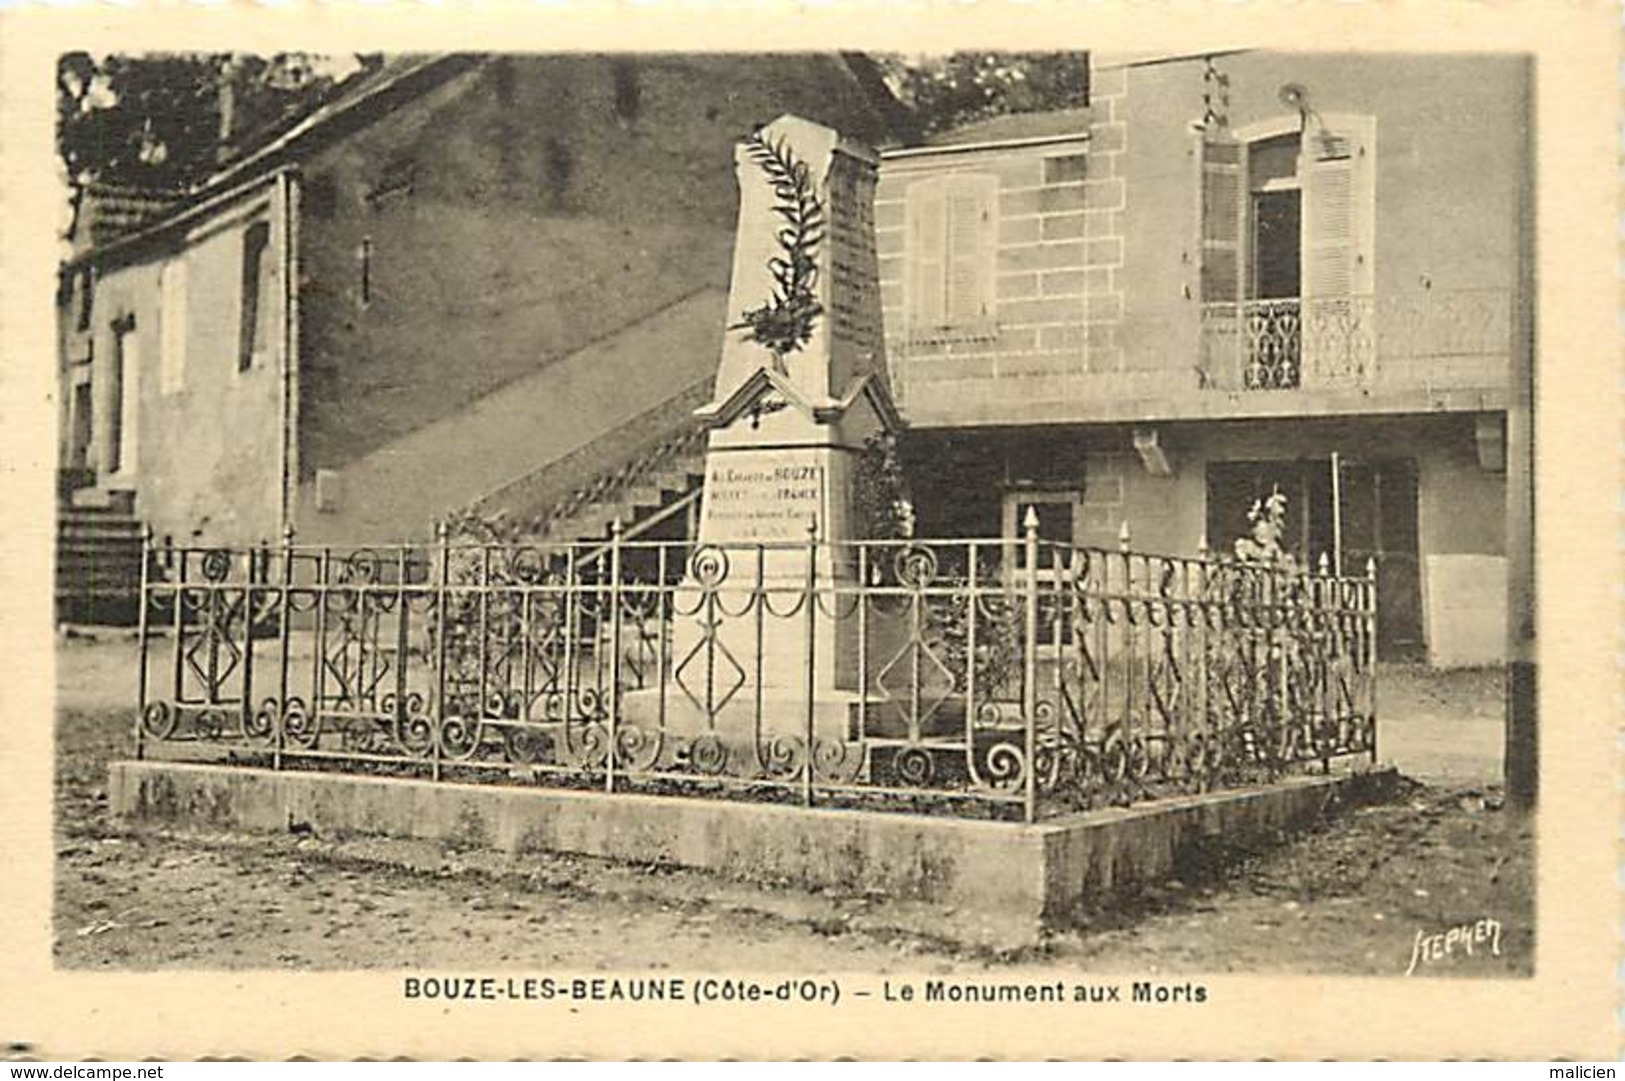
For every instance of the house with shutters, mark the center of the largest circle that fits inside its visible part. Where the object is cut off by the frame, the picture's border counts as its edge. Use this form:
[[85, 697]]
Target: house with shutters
[[466, 281], [498, 284], [1231, 275]]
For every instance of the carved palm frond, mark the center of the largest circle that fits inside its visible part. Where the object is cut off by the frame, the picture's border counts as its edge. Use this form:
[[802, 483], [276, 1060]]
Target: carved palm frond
[[785, 323]]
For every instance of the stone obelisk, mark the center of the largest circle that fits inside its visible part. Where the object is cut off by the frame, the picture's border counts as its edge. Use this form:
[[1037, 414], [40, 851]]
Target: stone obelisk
[[786, 430]]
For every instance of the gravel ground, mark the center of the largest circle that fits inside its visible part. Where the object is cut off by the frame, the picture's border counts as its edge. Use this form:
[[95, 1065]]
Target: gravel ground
[[1351, 898]]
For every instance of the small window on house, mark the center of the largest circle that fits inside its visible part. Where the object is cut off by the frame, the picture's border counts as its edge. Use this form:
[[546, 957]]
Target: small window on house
[[124, 418], [172, 326], [253, 334], [628, 89], [321, 196], [1065, 169], [363, 266], [87, 298], [950, 237]]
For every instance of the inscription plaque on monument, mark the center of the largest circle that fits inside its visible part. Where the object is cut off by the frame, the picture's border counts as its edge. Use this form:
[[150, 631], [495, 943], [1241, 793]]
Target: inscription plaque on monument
[[757, 502]]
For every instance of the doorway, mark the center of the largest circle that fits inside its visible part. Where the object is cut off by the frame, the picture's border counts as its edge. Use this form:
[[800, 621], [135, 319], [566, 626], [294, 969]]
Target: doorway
[[81, 426], [1376, 520], [124, 417], [1277, 240]]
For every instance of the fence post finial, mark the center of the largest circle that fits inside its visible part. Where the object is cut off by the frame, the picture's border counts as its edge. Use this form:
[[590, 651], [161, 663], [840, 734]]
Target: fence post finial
[[1123, 536], [1202, 551], [1325, 564], [1029, 652]]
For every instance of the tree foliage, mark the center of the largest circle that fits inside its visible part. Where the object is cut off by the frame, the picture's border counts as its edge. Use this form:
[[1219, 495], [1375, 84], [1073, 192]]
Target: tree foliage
[[153, 120], [958, 88]]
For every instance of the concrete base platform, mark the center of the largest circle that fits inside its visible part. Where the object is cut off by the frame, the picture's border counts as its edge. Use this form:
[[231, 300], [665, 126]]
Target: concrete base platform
[[991, 883]]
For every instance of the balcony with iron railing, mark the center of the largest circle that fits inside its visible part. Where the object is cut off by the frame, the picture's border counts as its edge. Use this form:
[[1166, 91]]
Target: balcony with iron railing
[[1425, 350], [1427, 338]]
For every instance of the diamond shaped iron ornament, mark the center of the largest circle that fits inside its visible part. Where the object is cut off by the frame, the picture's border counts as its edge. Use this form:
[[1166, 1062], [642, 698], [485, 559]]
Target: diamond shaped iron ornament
[[714, 652], [927, 675], [218, 644]]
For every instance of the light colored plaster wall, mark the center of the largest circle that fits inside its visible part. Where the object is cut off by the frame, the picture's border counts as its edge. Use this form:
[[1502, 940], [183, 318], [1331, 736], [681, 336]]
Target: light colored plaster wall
[[209, 466], [1443, 124]]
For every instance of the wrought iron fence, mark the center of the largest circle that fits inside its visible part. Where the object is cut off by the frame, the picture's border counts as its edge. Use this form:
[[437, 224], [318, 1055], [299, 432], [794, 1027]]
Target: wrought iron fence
[[1001, 679]]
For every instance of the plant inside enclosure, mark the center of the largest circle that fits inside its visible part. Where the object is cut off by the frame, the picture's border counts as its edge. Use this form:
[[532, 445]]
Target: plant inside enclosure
[[1263, 546], [997, 655], [881, 503]]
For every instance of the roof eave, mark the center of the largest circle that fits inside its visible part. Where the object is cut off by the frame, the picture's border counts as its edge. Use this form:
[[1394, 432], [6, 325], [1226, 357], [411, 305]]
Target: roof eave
[[992, 144]]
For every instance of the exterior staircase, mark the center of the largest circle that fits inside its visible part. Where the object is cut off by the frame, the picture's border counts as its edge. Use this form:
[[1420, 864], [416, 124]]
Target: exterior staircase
[[98, 559], [635, 495], [646, 473]]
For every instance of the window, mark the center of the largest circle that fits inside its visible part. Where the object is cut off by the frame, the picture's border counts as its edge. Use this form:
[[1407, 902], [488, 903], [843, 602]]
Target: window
[[172, 326], [87, 298], [1058, 514], [1066, 168], [1056, 511], [363, 260], [124, 417], [1274, 215], [951, 233], [1287, 212], [253, 334]]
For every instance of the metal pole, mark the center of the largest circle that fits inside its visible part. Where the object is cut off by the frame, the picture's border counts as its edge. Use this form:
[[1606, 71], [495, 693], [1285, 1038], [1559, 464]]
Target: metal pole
[[403, 641], [285, 608], [615, 531], [1029, 682], [442, 543], [1371, 645], [141, 619], [811, 601], [256, 576], [1337, 512]]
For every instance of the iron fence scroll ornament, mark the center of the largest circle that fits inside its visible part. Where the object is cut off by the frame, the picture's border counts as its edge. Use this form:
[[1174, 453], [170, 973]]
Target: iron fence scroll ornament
[[993, 683]]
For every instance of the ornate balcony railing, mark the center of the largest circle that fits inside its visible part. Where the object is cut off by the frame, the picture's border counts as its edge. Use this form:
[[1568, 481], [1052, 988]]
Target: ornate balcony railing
[[1003, 680], [1356, 341]]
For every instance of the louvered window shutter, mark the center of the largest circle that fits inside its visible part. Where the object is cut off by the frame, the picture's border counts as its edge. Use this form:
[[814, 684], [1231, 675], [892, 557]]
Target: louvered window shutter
[[970, 247], [1224, 171], [1328, 224], [1338, 171], [927, 255]]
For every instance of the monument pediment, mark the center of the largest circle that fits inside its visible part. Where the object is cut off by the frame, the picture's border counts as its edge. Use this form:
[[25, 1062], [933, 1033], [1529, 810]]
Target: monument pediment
[[768, 391]]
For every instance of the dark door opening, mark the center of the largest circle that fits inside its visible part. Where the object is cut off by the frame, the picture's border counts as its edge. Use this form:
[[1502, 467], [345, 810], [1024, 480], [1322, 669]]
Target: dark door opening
[[81, 426], [1378, 521], [1277, 240]]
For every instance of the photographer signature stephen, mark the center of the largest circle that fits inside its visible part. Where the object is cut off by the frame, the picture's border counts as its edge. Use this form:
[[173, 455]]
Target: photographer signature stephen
[[1469, 939]]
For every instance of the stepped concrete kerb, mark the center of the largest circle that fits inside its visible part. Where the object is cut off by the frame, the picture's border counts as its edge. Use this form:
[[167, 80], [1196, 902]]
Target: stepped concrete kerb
[[997, 884]]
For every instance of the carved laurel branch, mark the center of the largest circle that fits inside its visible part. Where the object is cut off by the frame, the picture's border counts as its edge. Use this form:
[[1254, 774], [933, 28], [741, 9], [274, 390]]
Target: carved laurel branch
[[785, 323]]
